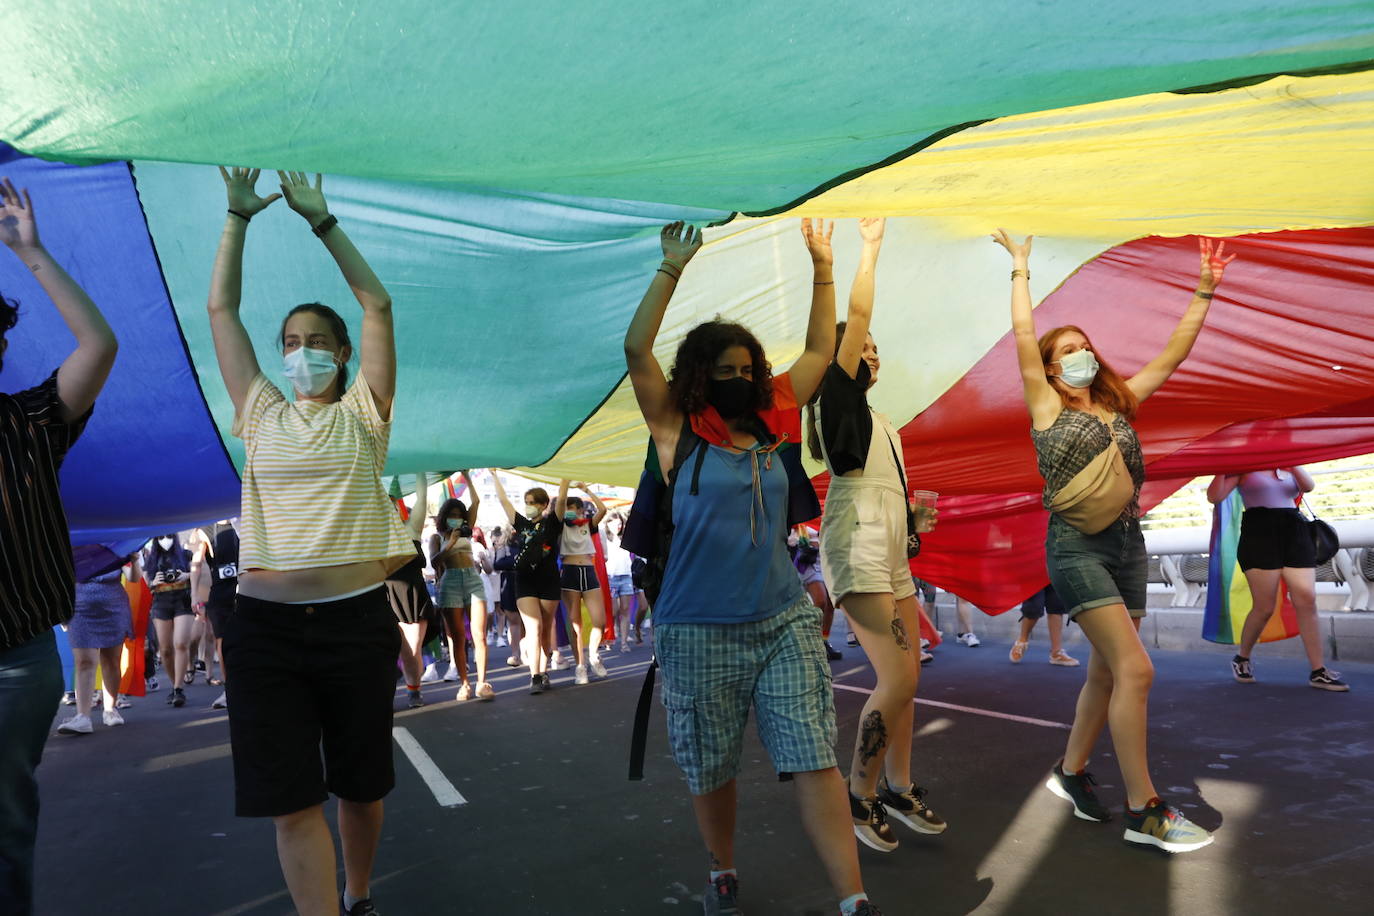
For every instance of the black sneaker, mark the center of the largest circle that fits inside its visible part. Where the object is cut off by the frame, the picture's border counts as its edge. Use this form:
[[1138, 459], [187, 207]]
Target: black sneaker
[[545, 682], [831, 652], [865, 908], [1241, 671], [414, 700], [909, 807], [1164, 826], [870, 823], [172, 697], [362, 907], [178, 697], [536, 685], [69, 698], [719, 899], [1326, 679], [200, 664], [1078, 789]]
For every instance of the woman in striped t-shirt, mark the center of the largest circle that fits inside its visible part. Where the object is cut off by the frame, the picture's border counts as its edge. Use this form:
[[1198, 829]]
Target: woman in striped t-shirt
[[312, 640]]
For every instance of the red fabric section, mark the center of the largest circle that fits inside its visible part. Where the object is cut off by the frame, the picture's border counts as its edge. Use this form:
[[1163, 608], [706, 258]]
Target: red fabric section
[[1261, 389], [132, 679]]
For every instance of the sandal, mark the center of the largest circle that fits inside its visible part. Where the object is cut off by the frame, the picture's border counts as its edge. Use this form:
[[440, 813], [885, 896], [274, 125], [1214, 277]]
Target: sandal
[[215, 682], [189, 677], [1063, 659], [1018, 651], [485, 691]]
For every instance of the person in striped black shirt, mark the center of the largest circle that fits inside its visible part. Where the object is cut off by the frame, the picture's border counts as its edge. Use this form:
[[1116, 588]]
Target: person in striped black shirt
[[37, 580]]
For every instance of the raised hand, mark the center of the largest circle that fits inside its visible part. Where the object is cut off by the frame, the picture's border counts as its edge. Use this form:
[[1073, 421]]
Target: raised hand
[[1020, 254], [817, 237], [1213, 264], [239, 185], [681, 241], [308, 201], [871, 229], [17, 226]]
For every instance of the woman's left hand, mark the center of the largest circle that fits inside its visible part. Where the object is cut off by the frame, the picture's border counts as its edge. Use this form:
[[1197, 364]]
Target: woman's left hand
[[1213, 264], [17, 226], [817, 237], [308, 201]]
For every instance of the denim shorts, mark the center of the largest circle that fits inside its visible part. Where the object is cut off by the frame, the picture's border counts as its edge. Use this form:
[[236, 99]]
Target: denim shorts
[[622, 586], [713, 673], [459, 586], [1094, 570]]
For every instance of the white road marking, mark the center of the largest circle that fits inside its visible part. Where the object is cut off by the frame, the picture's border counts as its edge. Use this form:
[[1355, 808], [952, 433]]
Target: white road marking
[[444, 791], [1027, 720]]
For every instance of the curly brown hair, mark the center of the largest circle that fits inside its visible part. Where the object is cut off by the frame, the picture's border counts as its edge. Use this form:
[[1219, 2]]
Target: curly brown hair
[[696, 358]]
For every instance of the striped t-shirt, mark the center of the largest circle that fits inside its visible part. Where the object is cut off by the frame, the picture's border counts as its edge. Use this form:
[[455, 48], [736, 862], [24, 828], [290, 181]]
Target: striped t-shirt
[[312, 486]]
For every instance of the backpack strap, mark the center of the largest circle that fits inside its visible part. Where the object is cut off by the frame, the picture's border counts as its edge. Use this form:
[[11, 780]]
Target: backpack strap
[[639, 738]]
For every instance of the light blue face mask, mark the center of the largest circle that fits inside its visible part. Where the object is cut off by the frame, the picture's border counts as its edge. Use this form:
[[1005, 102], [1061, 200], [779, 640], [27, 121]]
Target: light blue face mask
[[1078, 369]]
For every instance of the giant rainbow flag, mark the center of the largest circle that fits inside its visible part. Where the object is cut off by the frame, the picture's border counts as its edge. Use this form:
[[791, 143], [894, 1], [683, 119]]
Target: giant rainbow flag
[[506, 167]]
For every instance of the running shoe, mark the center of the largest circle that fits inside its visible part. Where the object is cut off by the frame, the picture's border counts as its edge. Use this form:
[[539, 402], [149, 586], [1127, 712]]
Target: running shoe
[[1063, 659], [870, 823], [910, 808], [597, 668], [580, 674], [544, 679], [450, 675], [69, 698], [151, 684], [431, 674], [414, 700], [969, 640], [1078, 789], [76, 725], [536, 685], [362, 907], [831, 652], [178, 697], [719, 899], [112, 718], [464, 693], [926, 657], [1241, 670], [514, 662], [1018, 651], [1163, 825], [485, 691], [123, 702], [557, 662], [1326, 679], [221, 702]]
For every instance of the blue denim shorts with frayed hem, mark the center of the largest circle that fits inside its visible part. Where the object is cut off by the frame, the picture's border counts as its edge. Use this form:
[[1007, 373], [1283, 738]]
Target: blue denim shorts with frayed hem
[[713, 673], [1095, 570]]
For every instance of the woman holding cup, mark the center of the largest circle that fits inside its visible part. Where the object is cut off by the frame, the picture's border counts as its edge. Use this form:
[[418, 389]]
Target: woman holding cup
[[865, 538]]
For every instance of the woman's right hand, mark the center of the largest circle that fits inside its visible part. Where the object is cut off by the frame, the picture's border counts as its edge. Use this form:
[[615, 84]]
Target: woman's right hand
[[871, 229], [1020, 254], [160, 578], [243, 196], [681, 241]]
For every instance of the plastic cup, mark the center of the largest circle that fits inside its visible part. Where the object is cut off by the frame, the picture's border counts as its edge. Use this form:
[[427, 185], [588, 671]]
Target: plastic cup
[[923, 505]]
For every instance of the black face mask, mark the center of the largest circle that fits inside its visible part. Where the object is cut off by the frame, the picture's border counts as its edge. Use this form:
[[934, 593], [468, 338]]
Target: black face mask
[[731, 397]]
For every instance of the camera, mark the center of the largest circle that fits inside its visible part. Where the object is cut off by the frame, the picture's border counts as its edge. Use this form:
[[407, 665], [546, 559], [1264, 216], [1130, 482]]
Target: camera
[[465, 530], [171, 575]]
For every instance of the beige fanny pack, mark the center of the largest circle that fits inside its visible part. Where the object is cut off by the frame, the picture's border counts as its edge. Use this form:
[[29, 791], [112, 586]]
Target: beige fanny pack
[[1096, 495]]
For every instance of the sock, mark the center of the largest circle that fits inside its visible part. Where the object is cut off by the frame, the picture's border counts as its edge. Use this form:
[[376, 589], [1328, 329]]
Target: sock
[[349, 900], [898, 790], [1152, 801], [849, 904], [723, 871], [1317, 671]]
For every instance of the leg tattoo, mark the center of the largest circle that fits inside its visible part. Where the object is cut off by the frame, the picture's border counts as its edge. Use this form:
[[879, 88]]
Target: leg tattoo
[[872, 737], [899, 633]]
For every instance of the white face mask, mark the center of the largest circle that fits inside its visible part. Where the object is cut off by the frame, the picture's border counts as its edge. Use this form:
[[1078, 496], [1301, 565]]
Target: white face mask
[[309, 370], [1078, 369], [533, 512], [164, 543]]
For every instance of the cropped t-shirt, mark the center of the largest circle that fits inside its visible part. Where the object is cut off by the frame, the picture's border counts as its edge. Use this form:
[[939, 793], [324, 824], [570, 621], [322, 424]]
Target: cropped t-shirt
[[576, 538], [312, 482]]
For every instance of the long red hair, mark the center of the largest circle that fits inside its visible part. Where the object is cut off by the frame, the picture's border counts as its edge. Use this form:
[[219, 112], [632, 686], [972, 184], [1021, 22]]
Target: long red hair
[[1108, 389]]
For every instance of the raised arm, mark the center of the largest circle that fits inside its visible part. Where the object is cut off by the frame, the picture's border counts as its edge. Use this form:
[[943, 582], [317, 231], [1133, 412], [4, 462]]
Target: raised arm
[[859, 318], [474, 498], [596, 501], [505, 500], [1221, 487], [83, 373], [809, 368], [416, 523], [560, 503], [680, 243], [377, 353], [238, 363], [1157, 371], [1305, 482], [1042, 400]]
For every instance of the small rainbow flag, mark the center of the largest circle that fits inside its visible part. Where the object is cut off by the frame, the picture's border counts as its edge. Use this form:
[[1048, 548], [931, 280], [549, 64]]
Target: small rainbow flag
[[1228, 592]]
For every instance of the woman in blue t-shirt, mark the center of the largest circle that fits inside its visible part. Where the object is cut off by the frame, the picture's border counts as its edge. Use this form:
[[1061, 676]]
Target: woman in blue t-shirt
[[734, 628]]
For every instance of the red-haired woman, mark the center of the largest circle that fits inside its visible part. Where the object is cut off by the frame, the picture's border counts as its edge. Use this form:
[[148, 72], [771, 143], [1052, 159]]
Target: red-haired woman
[[1080, 421]]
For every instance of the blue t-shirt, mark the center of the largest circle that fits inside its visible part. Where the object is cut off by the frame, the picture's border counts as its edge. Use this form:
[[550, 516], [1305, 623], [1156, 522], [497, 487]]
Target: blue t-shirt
[[729, 561]]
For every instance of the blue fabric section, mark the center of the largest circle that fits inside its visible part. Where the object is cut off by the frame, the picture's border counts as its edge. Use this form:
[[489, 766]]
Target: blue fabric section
[[150, 460]]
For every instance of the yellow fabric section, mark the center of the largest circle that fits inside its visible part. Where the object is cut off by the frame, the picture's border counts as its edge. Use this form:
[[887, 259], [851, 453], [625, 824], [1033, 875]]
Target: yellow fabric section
[[1290, 153]]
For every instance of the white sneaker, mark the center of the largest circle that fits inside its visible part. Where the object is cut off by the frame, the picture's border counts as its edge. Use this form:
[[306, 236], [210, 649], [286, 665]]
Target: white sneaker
[[926, 657], [221, 702], [557, 662], [452, 673], [969, 640], [501, 642], [580, 675], [430, 675], [925, 643], [597, 668], [123, 702], [112, 718], [76, 725]]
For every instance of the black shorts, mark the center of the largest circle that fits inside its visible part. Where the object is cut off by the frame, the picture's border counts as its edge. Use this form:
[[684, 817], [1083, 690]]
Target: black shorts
[[579, 578], [508, 591], [1042, 602], [541, 583], [218, 611], [171, 605], [1273, 539], [310, 702]]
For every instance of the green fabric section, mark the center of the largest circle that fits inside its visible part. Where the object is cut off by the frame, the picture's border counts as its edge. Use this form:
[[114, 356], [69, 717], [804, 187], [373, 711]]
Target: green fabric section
[[732, 106], [508, 309]]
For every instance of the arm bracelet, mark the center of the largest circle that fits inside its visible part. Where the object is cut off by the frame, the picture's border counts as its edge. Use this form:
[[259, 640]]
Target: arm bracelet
[[329, 222]]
